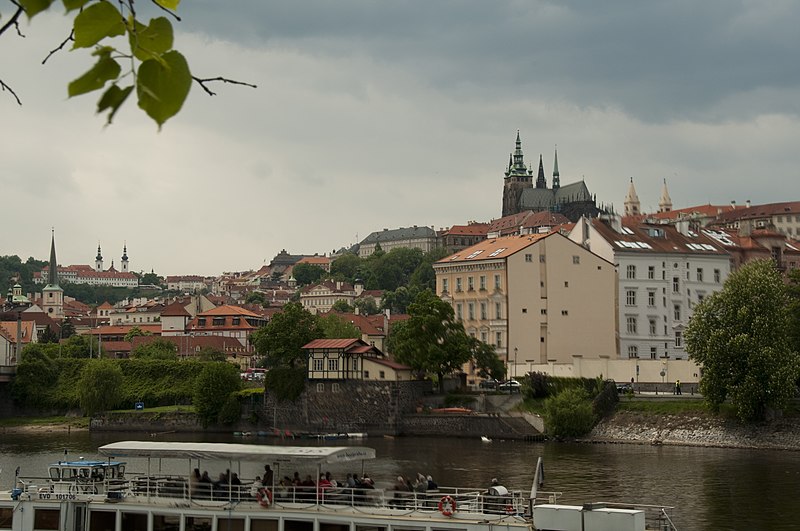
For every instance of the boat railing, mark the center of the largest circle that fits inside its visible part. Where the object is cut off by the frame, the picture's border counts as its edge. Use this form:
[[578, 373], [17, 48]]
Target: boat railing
[[655, 516], [149, 488]]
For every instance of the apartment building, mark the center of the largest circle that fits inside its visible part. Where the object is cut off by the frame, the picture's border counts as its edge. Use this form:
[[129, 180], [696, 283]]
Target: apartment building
[[536, 298]]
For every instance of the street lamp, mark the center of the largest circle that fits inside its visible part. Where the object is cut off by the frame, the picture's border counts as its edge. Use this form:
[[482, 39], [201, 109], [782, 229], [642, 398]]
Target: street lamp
[[515, 362]]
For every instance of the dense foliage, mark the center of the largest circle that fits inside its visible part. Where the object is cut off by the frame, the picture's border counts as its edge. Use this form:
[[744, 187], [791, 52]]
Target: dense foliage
[[281, 341], [12, 267], [569, 413], [335, 327], [159, 348], [285, 383], [99, 386], [213, 390], [738, 337]]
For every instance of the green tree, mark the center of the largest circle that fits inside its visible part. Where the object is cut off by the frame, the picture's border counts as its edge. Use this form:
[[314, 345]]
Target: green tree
[[211, 354], [342, 306], [48, 336], [346, 267], [158, 349], [151, 278], [738, 338], [366, 306], [486, 360], [256, 297], [281, 341], [148, 66], [398, 300], [793, 288], [67, 328], [569, 413], [424, 277], [99, 386], [135, 331], [212, 389], [335, 327], [306, 274], [431, 340], [36, 376]]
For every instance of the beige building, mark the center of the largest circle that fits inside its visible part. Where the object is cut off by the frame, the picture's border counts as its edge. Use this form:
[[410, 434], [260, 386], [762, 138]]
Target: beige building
[[410, 237], [537, 298]]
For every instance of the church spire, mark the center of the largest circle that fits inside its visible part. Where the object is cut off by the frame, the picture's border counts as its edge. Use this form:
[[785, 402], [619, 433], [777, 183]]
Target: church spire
[[124, 261], [541, 182], [52, 272], [632, 205], [98, 260], [556, 176], [665, 203]]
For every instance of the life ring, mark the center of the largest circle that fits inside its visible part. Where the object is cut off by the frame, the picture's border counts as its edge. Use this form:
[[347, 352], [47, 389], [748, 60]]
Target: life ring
[[510, 509], [447, 505], [264, 497]]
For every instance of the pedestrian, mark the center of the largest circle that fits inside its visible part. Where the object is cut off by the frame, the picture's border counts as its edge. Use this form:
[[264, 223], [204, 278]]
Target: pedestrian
[[677, 387], [269, 476]]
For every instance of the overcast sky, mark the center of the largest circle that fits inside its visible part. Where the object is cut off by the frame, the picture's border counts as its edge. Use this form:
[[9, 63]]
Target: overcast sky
[[372, 115]]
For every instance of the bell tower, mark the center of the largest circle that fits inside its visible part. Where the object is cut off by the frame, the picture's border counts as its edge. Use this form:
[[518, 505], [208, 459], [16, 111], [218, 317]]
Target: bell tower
[[517, 178], [52, 294]]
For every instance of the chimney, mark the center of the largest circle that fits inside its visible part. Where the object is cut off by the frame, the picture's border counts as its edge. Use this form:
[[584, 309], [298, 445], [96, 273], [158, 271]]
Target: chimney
[[747, 203], [733, 204]]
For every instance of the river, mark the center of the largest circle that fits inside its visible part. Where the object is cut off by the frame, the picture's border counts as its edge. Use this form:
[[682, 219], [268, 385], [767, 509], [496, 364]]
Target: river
[[710, 488]]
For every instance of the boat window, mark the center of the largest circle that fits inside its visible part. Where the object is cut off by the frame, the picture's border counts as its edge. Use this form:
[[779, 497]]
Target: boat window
[[257, 524], [326, 526], [166, 522], [6, 514], [55, 473], [46, 519], [134, 521], [102, 520], [198, 523], [230, 524], [298, 525]]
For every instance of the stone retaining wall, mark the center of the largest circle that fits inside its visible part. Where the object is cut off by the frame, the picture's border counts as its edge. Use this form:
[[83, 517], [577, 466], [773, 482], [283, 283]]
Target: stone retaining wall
[[468, 426]]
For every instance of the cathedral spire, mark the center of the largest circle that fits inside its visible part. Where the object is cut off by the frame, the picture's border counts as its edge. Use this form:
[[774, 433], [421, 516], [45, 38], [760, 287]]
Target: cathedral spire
[[52, 272], [665, 203], [632, 205], [124, 261], [541, 182], [556, 176]]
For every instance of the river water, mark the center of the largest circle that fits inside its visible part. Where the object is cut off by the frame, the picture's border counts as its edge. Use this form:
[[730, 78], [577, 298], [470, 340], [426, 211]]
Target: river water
[[710, 488]]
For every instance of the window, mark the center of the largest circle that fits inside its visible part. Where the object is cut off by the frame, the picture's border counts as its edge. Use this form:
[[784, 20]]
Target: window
[[652, 327], [483, 311], [319, 365], [458, 284], [334, 388], [333, 365], [631, 269], [678, 339], [699, 274], [564, 312], [544, 311], [484, 337], [497, 312], [201, 321], [471, 310], [651, 272], [483, 282], [528, 257], [458, 310], [677, 312], [630, 297], [235, 321], [576, 259], [366, 375], [499, 339], [716, 276], [653, 353], [631, 324], [497, 282], [633, 351], [382, 375], [651, 298], [675, 285], [541, 259], [470, 284], [320, 387], [445, 285], [566, 284]]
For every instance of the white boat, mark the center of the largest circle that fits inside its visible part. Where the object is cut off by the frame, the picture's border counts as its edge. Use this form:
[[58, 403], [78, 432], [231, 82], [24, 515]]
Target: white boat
[[103, 495]]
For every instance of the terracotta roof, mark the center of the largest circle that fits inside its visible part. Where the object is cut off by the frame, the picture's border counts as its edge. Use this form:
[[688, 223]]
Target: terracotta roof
[[333, 343], [10, 328], [494, 249], [545, 219], [116, 346], [188, 344], [708, 210], [473, 229], [121, 330], [176, 309], [227, 310], [760, 211], [105, 306], [391, 364], [656, 238]]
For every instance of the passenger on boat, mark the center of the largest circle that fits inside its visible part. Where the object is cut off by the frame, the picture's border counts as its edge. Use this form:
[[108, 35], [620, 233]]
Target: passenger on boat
[[366, 482], [330, 479], [256, 486], [235, 479], [323, 486], [296, 481], [420, 483], [306, 489], [269, 476], [194, 483], [351, 481], [496, 500], [432, 484], [400, 485]]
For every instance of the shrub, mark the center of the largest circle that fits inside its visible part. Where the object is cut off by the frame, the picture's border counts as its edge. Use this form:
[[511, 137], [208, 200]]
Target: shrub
[[569, 413], [213, 388], [99, 386]]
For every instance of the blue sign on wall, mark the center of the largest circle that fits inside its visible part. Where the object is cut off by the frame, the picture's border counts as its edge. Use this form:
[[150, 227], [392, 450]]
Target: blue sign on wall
[[138, 406]]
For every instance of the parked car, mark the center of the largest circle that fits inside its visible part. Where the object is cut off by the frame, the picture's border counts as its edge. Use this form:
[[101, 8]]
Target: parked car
[[510, 385], [624, 388], [488, 383]]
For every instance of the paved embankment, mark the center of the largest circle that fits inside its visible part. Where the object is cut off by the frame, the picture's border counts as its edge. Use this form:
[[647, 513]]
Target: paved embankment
[[697, 430]]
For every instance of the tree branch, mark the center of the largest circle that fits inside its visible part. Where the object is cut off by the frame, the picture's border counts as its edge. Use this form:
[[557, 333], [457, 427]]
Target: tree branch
[[70, 37], [5, 87], [202, 83], [13, 21], [166, 10]]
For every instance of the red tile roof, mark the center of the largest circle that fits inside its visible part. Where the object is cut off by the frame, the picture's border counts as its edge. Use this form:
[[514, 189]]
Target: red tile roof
[[494, 249], [176, 309], [227, 309], [332, 343]]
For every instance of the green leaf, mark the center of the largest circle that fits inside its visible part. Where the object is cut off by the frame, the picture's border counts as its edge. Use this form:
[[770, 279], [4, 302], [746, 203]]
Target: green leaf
[[168, 4], [148, 42], [163, 89], [72, 5], [112, 99], [97, 22], [104, 70], [33, 7]]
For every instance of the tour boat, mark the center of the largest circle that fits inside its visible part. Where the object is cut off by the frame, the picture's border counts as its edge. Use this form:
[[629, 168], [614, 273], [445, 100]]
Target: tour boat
[[104, 495]]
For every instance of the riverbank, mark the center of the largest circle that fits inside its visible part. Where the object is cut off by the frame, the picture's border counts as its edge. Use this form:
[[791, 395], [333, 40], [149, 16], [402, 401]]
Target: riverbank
[[696, 429]]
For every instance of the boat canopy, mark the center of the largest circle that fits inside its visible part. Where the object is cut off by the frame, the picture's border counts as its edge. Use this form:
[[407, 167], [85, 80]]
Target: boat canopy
[[237, 452]]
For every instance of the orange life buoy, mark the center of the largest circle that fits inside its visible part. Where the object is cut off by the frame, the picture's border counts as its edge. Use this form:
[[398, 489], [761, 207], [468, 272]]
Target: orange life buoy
[[447, 505], [264, 497], [510, 509]]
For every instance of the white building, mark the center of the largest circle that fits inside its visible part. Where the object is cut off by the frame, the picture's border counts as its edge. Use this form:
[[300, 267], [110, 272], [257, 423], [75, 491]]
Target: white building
[[663, 272]]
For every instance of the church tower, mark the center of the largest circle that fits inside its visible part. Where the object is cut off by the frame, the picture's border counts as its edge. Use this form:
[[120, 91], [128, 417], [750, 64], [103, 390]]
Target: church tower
[[541, 182], [632, 205], [124, 262], [556, 176], [517, 178], [52, 294], [665, 203], [98, 260]]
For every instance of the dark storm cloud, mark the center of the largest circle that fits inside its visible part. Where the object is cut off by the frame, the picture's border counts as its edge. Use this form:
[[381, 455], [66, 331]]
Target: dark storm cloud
[[654, 60]]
